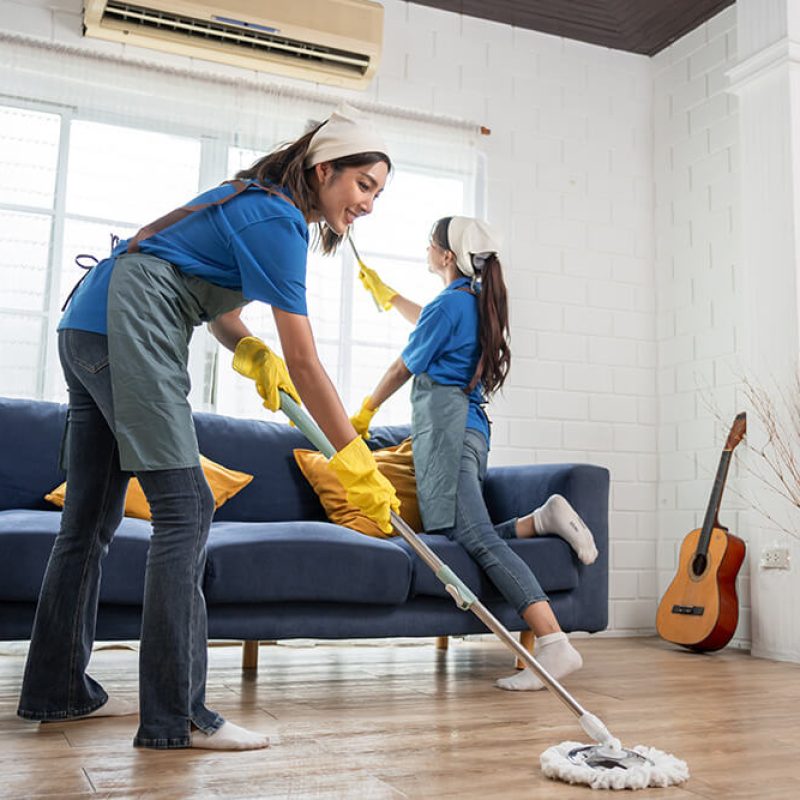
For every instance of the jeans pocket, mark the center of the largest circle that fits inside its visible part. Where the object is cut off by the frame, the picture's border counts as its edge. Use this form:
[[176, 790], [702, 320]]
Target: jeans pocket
[[87, 350]]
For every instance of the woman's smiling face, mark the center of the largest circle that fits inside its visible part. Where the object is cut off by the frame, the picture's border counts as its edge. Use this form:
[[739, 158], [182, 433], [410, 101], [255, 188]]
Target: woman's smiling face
[[350, 193]]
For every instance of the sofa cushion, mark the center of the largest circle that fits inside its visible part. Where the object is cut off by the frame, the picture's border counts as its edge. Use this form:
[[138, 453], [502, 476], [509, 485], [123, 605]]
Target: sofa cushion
[[396, 464], [550, 558], [26, 539], [264, 449], [223, 482], [303, 561]]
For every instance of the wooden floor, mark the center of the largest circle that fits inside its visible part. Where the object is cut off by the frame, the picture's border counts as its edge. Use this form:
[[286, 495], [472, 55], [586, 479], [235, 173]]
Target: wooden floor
[[410, 721]]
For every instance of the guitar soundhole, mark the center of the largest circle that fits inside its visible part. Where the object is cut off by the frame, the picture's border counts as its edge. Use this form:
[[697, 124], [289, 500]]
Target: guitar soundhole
[[699, 564]]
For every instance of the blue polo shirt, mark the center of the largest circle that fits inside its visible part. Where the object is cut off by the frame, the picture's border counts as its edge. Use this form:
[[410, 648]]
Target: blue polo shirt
[[255, 243], [445, 344]]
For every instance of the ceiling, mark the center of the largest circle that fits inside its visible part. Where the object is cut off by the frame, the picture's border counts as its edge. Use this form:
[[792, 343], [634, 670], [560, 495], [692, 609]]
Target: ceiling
[[638, 26]]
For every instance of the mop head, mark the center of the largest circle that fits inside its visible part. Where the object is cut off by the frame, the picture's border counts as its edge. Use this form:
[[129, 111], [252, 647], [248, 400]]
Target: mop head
[[631, 769]]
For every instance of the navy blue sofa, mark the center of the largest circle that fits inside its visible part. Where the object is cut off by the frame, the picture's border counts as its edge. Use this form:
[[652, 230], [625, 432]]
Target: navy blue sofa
[[276, 568]]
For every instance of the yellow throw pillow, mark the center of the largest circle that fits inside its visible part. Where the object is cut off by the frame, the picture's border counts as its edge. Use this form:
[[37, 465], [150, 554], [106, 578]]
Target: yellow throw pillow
[[395, 463], [224, 483]]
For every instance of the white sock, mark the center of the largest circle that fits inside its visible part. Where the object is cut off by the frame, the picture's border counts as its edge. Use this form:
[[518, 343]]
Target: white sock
[[115, 707], [555, 653], [229, 737], [559, 517]]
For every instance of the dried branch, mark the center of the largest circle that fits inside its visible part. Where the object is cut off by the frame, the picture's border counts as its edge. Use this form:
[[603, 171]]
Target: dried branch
[[777, 457]]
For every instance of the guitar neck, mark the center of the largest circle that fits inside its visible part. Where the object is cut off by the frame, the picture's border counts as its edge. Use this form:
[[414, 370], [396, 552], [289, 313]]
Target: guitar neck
[[714, 501]]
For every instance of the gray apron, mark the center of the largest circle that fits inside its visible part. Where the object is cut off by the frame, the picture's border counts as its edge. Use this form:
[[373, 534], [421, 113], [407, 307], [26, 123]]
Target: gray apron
[[438, 422], [153, 309]]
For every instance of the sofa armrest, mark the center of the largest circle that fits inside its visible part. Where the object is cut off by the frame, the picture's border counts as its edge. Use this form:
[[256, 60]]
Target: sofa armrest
[[516, 491]]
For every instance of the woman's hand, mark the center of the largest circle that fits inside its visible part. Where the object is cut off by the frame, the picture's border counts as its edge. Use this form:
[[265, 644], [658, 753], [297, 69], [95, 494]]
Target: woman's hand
[[382, 293], [253, 359], [368, 490], [361, 421]]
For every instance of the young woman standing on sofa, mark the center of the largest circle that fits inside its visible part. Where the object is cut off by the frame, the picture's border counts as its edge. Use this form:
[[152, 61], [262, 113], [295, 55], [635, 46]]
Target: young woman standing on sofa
[[458, 354], [123, 344]]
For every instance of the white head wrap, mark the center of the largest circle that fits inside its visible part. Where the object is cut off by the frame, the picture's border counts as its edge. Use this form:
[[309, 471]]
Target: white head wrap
[[347, 132], [469, 237]]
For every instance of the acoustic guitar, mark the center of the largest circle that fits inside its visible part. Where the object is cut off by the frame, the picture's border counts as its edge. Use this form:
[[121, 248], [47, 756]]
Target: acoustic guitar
[[700, 609]]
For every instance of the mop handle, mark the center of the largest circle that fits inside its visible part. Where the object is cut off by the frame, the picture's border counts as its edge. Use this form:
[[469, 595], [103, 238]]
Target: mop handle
[[463, 596]]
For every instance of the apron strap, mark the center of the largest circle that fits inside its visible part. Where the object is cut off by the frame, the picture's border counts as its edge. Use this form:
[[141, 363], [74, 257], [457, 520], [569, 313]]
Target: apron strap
[[477, 376], [184, 211]]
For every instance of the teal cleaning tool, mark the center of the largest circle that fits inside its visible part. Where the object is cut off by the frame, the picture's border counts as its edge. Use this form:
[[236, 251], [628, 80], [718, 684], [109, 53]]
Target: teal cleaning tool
[[606, 765]]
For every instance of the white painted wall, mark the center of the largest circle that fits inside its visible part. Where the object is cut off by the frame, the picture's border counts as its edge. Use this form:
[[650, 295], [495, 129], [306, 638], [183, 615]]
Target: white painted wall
[[766, 82], [726, 222], [698, 287]]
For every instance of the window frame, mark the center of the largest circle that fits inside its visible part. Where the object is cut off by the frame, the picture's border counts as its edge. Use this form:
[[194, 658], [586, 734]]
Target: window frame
[[205, 358]]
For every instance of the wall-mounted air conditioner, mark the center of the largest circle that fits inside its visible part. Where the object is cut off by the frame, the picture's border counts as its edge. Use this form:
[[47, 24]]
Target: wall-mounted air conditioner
[[336, 42]]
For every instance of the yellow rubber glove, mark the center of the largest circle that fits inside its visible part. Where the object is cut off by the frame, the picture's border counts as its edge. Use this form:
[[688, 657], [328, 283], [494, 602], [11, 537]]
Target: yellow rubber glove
[[383, 294], [354, 466], [253, 359], [361, 421]]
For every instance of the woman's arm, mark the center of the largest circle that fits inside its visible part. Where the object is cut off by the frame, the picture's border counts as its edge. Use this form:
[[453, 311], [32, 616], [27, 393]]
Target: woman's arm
[[310, 379], [393, 379], [228, 328], [407, 308]]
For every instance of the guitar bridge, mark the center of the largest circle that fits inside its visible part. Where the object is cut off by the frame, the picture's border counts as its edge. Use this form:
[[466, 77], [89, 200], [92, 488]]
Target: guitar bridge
[[692, 611]]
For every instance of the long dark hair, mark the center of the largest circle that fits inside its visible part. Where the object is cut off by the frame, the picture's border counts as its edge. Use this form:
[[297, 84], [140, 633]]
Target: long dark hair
[[286, 167], [493, 336]]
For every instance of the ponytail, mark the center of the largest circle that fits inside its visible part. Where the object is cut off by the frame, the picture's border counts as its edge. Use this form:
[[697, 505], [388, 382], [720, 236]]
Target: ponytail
[[493, 336]]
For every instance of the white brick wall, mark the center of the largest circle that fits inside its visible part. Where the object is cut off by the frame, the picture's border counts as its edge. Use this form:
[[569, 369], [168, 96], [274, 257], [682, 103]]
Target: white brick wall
[[570, 166], [695, 157], [611, 176], [570, 171]]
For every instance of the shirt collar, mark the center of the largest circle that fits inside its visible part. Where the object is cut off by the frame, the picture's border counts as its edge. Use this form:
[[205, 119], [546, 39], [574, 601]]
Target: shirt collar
[[461, 280]]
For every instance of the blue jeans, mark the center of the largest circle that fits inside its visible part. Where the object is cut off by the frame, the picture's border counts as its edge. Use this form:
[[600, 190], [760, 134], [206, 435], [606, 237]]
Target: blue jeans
[[172, 657], [485, 542]]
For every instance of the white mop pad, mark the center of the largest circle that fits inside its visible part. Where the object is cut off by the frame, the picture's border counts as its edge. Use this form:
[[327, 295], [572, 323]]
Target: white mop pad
[[665, 770]]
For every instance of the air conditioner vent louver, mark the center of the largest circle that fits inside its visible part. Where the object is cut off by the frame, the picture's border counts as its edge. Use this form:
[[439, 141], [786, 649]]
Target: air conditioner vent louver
[[337, 42], [244, 36]]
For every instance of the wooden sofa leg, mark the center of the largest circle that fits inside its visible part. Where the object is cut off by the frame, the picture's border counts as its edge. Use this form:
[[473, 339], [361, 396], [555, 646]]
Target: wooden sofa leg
[[526, 640], [442, 642], [250, 654]]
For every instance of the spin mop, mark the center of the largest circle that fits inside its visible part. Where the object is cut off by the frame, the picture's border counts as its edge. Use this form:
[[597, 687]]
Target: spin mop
[[604, 765]]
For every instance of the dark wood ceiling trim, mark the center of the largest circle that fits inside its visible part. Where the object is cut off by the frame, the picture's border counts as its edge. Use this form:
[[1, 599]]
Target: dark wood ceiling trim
[[638, 26], [666, 23]]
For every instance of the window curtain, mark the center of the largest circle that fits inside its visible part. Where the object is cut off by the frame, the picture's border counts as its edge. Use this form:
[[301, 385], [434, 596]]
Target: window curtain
[[248, 109]]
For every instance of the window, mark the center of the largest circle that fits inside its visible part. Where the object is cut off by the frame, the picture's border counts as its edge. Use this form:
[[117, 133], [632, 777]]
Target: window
[[67, 183], [393, 241], [113, 179], [355, 341], [119, 179], [29, 152]]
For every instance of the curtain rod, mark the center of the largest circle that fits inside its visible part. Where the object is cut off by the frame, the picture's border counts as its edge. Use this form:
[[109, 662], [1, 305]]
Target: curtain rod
[[322, 98]]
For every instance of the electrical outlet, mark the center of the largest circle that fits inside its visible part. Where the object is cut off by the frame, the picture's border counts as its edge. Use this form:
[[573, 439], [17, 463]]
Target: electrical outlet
[[775, 558]]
